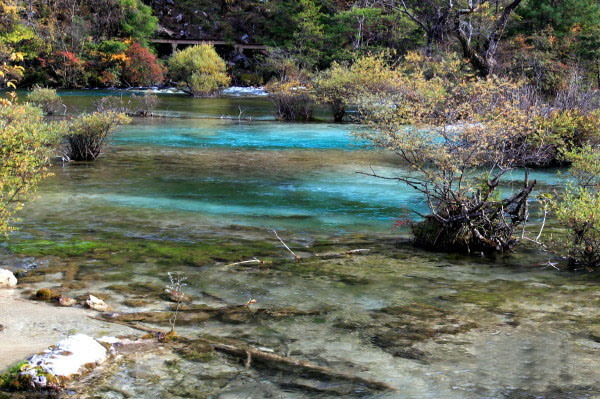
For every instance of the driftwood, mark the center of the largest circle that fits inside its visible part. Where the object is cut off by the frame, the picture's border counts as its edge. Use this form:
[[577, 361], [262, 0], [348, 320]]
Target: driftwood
[[251, 355], [343, 254]]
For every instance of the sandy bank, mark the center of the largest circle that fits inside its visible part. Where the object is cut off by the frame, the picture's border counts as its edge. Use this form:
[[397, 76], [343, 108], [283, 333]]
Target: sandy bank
[[30, 327]]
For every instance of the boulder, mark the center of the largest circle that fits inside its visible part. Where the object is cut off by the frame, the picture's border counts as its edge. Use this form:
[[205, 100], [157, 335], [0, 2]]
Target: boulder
[[97, 304], [73, 356], [7, 279]]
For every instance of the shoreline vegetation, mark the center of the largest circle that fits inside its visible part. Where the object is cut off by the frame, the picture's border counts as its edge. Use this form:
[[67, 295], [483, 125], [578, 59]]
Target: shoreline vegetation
[[466, 99]]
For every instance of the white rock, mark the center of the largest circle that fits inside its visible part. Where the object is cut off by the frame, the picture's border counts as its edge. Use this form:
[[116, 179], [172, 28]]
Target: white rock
[[7, 279], [97, 304], [70, 357]]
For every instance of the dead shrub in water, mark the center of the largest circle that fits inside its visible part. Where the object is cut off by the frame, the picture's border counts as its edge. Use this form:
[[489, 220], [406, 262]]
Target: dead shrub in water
[[135, 105], [89, 133], [292, 100], [293, 106], [459, 138]]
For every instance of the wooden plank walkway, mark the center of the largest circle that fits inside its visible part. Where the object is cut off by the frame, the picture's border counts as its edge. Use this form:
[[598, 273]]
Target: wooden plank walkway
[[238, 47]]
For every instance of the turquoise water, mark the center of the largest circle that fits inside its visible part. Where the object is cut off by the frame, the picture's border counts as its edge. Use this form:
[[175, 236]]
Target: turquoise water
[[230, 134]]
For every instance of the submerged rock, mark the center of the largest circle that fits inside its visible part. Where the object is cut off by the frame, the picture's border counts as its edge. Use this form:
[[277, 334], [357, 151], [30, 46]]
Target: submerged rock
[[66, 301], [7, 279], [73, 356], [97, 304]]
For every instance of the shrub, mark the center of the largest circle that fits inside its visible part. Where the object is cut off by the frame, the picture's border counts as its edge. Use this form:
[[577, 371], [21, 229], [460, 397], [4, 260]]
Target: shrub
[[26, 144], [251, 79], [47, 100], [579, 210], [568, 129], [89, 133], [141, 67], [199, 70]]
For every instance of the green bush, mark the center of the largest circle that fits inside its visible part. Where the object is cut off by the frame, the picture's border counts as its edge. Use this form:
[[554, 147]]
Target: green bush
[[46, 99], [579, 209], [579, 213], [340, 85], [199, 70], [89, 133]]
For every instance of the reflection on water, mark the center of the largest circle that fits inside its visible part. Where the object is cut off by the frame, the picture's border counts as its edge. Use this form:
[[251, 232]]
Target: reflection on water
[[199, 195]]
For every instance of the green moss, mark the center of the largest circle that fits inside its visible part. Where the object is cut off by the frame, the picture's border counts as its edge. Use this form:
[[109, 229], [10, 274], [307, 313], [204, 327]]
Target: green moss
[[495, 294], [45, 247], [196, 351], [11, 380], [142, 289], [136, 303], [122, 251], [482, 298]]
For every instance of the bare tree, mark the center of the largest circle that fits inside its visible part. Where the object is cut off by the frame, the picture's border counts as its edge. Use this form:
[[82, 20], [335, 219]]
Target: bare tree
[[479, 26]]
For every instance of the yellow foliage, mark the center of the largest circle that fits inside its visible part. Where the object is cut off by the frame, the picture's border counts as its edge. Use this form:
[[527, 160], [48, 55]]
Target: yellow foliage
[[25, 148], [199, 70], [121, 57]]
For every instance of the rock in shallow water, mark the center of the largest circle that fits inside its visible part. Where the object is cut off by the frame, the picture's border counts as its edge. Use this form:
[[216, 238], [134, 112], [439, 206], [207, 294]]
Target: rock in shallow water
[[72, 356], [7, 279]]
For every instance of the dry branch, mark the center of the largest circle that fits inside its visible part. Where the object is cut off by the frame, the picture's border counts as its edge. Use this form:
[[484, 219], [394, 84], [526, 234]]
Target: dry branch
[[286, 247]]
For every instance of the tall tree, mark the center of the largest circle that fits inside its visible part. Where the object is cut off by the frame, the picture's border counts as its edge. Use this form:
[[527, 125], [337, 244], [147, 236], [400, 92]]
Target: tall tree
[[431, 15], [309, 34]]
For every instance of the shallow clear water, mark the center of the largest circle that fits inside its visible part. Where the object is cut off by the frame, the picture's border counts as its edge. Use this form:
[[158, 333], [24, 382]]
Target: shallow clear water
[[195, 195]]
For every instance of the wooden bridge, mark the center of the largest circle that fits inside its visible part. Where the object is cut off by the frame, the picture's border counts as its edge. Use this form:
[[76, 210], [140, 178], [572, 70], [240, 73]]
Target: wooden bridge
[[238, 47]]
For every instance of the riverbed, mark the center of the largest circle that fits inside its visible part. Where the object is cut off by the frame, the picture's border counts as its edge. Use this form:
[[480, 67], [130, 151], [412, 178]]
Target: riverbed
[[200, 193]]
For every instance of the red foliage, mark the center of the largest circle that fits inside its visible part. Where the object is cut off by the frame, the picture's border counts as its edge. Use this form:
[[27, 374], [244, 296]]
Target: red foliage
[[141, 67], [108, 78], [70, 59], [68, 68], [399, 223]]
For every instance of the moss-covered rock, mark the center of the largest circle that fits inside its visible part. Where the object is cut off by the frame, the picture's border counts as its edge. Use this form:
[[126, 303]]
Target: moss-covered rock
[[46, 294]]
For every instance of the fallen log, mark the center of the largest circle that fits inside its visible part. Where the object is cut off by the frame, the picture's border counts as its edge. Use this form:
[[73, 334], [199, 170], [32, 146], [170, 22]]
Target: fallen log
[[251, 355]]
